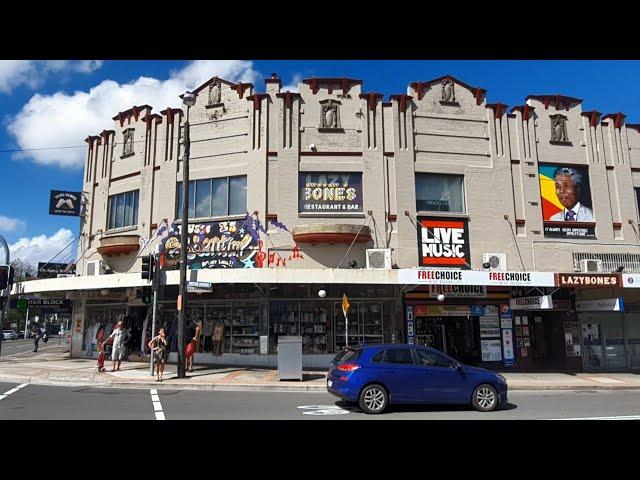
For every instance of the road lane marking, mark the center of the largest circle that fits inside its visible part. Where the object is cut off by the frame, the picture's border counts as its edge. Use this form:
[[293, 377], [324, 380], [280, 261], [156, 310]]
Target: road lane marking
[[619, 417], [13, 390], [157, 406], [323, 410]]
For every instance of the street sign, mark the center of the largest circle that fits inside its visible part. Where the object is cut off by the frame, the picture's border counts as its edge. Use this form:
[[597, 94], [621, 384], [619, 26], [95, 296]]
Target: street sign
[[199, 287]]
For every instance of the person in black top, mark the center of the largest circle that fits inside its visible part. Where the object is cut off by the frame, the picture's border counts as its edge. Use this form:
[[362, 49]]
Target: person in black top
[[37, 333], [158, 345]]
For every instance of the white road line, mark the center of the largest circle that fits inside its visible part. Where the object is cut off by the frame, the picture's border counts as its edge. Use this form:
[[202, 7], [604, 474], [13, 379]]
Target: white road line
[[619, 417], [13, 390], [157, 406]]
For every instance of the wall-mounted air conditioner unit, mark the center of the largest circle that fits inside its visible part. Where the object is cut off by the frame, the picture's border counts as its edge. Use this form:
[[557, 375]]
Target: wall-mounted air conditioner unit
[[591, 265], [379, 258], [496, 261], [95, 267]]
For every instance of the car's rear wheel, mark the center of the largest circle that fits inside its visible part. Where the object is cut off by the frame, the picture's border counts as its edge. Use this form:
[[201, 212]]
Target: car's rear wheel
[[485, 398], [373, 399]]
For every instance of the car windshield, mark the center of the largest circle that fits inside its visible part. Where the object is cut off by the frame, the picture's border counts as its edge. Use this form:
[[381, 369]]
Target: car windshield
[[348, 355]]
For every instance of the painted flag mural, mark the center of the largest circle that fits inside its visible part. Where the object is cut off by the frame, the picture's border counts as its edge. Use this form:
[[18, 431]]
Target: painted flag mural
[[566, 201]]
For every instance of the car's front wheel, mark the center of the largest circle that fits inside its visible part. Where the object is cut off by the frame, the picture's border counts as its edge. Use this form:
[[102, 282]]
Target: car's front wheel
[[373, 399], [485, 398]]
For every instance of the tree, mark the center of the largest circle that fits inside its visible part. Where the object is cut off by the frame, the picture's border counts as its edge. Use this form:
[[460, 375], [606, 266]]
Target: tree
[[22, 270]]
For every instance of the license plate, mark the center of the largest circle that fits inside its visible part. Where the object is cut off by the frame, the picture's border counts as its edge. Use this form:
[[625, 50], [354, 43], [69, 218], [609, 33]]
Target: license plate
[[329, 383]]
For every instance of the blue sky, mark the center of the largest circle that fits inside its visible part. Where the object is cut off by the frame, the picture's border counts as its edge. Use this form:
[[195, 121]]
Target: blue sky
[[57, 104]]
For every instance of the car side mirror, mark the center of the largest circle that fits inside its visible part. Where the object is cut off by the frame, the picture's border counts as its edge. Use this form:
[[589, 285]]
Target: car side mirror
[[458, 367]]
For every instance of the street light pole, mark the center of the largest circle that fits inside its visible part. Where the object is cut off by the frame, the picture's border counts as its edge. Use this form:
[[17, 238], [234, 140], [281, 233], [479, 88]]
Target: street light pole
[[189, 100], [7, 261]]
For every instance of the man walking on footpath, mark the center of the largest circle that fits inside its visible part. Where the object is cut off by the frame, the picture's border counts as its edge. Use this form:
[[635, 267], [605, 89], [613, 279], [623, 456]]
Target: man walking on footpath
[[120, 337], [37, 333]]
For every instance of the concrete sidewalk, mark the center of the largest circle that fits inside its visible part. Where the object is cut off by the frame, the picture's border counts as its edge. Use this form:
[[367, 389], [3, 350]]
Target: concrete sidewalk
[[53, 366]]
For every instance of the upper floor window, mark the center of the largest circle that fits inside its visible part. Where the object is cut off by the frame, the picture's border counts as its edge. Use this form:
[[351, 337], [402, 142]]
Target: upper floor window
[[123, 210], [439, 193], [215, 197], [127, 142]]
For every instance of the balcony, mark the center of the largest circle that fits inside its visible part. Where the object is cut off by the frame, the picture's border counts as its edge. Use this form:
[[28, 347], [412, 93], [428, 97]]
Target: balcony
[[119, 244], [331, 233]]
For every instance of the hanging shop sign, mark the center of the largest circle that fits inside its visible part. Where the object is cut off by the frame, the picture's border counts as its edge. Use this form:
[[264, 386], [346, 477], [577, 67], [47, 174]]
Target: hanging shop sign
[[586, 280], [601, 305], [444, 242], [56, 270], [491, 350], [330, 192], [427, 276], [65, 203], [544, 302], [199, 287], [229, 244], [465, 291]]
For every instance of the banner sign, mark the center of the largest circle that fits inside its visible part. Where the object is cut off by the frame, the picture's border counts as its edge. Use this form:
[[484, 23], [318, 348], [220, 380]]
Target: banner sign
[[471, 277], [229, 244], [65, 203], [631, 280], [566, 202], [56, 270], [602, 305], [544, 302], [468, 291], [507, 347], [489, 327], [491, 350], [199, 287], [42, 304], [587, 280], [330, 192], [443, 242]]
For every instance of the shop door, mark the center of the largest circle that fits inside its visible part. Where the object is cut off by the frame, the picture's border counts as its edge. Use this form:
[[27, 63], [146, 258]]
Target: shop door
[[632, 332], [613, 333], [592, 342], [431, 332]]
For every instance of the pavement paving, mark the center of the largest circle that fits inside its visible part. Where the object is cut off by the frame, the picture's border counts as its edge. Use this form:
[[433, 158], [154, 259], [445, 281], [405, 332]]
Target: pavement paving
[[52, 365]]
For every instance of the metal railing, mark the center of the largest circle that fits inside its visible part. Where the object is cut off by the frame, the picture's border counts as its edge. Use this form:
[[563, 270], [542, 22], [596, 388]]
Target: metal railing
[[610, 261]]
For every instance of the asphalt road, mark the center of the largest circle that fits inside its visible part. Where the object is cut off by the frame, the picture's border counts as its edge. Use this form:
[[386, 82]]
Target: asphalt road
[[11, 347], [39, 402]]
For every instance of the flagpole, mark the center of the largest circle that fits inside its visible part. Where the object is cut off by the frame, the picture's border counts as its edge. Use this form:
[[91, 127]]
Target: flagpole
[[346, 330]]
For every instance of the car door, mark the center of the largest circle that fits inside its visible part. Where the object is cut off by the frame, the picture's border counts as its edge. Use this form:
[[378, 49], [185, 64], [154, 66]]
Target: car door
[[398, 371], [439, 380]]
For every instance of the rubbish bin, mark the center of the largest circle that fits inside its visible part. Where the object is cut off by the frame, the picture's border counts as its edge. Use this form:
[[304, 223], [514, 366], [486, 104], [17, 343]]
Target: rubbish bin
[[290, 358]]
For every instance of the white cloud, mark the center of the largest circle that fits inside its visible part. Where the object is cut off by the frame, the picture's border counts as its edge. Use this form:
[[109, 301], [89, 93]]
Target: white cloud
[[293, 86], [43, 248], [32, 73], [10, 224], [66, 119]]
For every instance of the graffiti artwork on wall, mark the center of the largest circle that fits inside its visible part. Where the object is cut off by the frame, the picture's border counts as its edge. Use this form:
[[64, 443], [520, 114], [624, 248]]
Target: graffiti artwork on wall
[[229, 244]]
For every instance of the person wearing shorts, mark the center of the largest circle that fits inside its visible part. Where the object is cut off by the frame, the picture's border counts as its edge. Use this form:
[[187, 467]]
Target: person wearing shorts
[[119, 340]]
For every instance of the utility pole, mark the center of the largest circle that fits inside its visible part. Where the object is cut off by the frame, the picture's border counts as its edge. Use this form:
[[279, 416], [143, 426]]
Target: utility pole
[[154, 286], [6, 269]]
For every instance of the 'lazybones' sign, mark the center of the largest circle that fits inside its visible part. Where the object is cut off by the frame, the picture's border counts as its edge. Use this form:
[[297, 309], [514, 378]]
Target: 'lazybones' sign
[[330, 192], [427, 276]]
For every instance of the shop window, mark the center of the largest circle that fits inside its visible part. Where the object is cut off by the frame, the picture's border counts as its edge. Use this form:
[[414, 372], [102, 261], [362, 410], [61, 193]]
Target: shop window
[[123, 210], [214, 197], [440, 193]]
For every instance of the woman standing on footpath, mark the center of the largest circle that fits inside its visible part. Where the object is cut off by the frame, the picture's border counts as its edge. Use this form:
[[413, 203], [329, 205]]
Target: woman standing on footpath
[[158, 346]]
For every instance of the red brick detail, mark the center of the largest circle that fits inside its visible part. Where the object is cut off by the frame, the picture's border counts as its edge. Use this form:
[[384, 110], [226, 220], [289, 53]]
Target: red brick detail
[[117, 249], [156, 168], [328, 237], [171, 113], [148, 119], [515, 162], [593, 116], [617, 225], [257, 100], [479, 95], [122, 177], [154, 226], [330, 154], [272, 154], [618, 119], [127, 114], [212, 80], [498, 108], [241, 87], [372, 99], [402, 101], [344, 83], [422, 87], [271, 216], [609, 167], [392, 218], [634, 126], [520, 221], [288, 98], [390, 154], [106, 134], [91, 138], [559, 101], [526, 111]]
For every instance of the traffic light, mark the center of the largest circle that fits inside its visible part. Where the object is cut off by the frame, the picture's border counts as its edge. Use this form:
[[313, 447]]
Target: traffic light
[[147, 267], [6, 276]]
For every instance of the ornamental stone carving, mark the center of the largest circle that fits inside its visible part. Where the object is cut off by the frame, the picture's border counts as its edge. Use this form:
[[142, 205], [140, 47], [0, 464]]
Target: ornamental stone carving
[[128, 142], [559, 128], [448, 91], [330, 115], [214, 92]]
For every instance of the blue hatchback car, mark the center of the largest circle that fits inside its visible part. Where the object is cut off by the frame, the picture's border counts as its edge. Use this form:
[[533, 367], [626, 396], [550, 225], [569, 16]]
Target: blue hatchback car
[[376, 375]]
